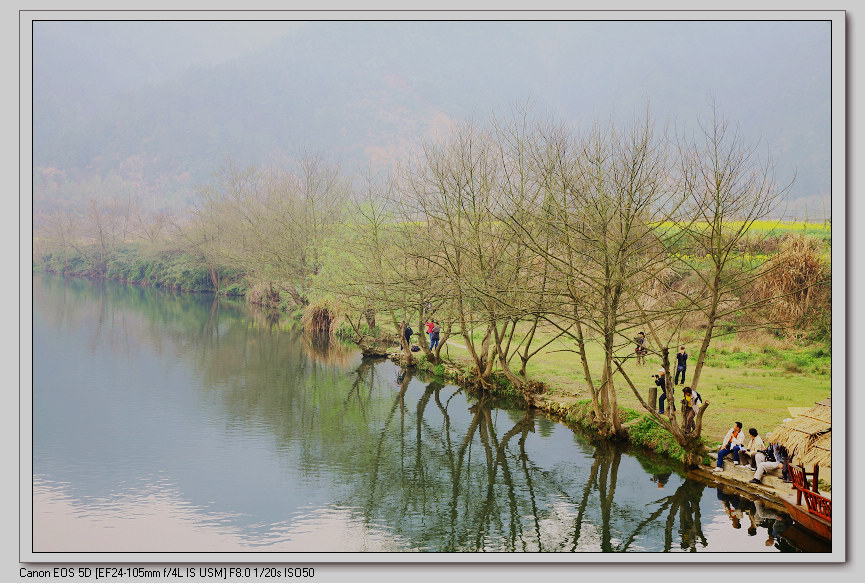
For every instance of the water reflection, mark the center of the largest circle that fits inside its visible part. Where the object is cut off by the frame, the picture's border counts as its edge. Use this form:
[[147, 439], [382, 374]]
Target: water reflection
[[230, 432]]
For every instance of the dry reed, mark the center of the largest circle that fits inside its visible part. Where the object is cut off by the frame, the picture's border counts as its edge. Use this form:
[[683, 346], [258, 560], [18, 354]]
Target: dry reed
[[791, 279]]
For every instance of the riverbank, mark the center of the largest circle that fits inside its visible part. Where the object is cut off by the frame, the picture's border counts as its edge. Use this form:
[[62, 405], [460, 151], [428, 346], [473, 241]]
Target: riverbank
[[569, 409], [574, 410], [760, 381]]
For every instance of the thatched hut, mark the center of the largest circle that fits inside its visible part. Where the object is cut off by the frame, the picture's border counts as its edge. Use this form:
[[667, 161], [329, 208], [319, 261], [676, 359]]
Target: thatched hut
[[808, 436]]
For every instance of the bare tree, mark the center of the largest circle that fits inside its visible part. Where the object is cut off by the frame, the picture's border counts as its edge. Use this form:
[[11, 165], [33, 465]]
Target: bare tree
[[725, 187], [602, 194], [271, 224], [728, 187], [463, 192]]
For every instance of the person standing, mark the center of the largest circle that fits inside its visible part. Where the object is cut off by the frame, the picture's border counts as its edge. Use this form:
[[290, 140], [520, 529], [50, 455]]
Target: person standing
[[640, 350], [429, 329], [681, 365], [408, 332], [661, 382], [434, 335]]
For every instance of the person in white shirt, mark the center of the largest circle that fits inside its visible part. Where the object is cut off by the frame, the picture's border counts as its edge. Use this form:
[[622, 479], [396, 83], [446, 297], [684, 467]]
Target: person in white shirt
[[732, 442], [755, 444]]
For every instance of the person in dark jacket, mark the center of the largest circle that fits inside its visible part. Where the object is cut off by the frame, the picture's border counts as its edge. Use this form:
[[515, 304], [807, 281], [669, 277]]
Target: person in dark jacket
[[408, 332], [681, 365], [661, 382]]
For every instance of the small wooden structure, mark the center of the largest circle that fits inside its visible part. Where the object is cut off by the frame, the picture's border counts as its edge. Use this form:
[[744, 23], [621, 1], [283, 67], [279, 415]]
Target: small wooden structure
[[808, 436], [808, 441]]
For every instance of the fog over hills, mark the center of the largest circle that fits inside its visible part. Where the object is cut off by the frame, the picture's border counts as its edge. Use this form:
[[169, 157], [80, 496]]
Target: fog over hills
[[157, 106]]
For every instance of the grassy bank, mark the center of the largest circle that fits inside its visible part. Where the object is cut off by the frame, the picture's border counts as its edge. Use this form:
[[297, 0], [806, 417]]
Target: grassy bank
[[755, 380], [141, 265], [575, 413]]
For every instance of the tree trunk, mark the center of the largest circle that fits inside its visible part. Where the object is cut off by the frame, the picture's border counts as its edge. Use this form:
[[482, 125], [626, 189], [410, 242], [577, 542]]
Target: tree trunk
[[407, 357], [369, 315]]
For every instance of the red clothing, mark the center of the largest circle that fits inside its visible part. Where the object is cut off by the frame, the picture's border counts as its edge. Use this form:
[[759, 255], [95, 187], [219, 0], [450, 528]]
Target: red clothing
[[429, 327]]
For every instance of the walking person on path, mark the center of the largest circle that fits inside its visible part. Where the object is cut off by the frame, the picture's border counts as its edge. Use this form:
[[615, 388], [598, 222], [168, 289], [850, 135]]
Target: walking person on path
[[681, 365]]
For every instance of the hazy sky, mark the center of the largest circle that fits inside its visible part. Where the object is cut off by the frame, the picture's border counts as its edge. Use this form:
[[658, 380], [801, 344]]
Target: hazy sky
[[771, 77]]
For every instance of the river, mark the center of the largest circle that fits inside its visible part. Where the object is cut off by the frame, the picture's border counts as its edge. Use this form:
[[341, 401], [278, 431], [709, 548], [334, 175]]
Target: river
[[166, 422]]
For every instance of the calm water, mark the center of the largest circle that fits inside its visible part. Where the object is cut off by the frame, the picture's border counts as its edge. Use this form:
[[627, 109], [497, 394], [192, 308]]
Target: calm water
[[167, 422]]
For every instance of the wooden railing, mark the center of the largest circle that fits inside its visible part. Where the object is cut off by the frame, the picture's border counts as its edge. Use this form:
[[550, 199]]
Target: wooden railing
[[816, 503]]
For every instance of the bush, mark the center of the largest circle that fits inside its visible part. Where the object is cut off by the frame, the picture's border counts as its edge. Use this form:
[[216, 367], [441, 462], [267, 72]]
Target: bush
[[234, 289], [793, 282], [646, 433]]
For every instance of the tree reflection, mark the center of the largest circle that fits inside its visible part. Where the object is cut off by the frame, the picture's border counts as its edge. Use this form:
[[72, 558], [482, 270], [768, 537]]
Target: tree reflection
[[437, 466]]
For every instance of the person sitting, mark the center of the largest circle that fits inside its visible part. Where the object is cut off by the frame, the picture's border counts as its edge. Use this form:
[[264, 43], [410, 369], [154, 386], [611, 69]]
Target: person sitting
[[732, 442], [772, 458], [755, 445]]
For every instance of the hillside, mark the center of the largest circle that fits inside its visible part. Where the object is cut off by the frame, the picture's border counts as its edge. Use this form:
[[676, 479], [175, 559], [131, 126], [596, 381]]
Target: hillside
[[156, 114]]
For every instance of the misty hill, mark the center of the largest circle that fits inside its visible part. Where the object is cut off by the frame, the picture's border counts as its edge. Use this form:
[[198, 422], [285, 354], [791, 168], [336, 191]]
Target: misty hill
[[159, 109]]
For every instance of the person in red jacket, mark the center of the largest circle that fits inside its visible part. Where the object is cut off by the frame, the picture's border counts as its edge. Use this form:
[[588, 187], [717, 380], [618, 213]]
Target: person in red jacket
[[434, 336]]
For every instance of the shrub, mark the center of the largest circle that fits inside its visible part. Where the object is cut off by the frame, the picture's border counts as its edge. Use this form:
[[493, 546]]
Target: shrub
[[646, 433], [318, 319], [234, 289], [792, 281]]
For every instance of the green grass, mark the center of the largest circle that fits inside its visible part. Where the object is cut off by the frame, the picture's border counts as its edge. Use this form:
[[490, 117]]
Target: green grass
[[822, 230], [750, 381]]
